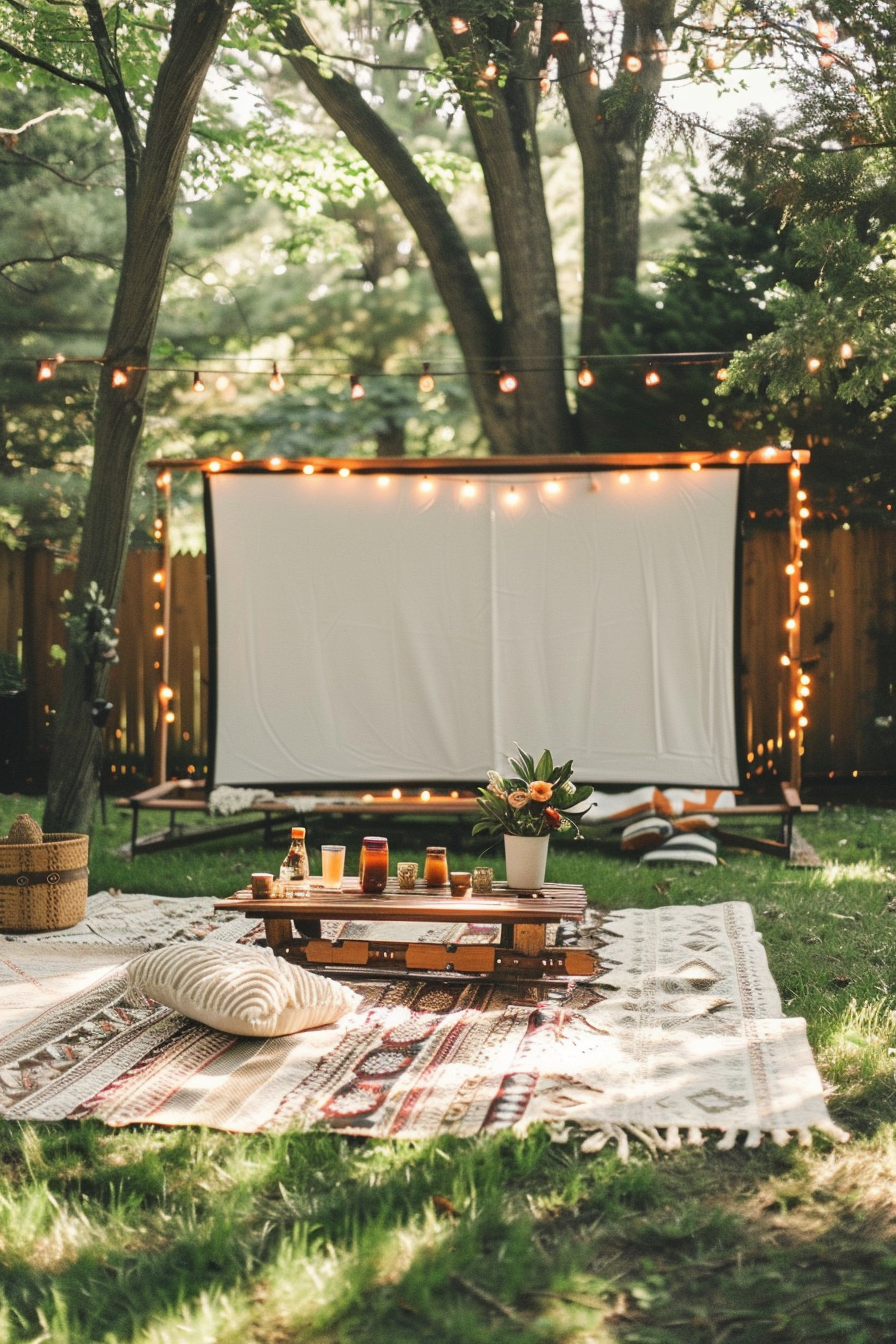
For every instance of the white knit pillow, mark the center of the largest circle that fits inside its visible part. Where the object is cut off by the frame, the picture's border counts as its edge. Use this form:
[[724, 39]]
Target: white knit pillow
[[246, 991]]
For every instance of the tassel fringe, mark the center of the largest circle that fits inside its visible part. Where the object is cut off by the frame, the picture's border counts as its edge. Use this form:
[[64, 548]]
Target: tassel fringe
[[670, 1140]]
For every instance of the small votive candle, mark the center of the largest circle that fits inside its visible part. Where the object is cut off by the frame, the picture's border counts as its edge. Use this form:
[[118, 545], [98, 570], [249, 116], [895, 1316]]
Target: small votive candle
[[482, 880], [262, 886], [407, 876], [460, 883]]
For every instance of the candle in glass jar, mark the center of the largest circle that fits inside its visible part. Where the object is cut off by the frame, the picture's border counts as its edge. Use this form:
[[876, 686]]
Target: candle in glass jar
[[373, 873], [435, 872]]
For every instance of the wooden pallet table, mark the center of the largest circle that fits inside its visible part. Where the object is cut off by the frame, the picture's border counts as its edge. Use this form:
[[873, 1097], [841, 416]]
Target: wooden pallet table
[[293, 930]]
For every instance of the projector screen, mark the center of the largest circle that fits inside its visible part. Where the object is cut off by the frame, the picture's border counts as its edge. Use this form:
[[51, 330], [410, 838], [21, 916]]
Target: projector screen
[[374, 630]]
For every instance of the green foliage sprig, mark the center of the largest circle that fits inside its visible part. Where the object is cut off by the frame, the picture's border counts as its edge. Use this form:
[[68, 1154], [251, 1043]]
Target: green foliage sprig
[[92, 630], [536, 799]]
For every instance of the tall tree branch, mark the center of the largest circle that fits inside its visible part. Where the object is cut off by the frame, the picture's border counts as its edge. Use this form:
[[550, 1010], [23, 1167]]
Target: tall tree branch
[[476, 327], [117, 97], [57, 71]]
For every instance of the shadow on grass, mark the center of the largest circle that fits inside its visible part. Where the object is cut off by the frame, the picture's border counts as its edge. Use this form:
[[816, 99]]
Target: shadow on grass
[[316, 1237]]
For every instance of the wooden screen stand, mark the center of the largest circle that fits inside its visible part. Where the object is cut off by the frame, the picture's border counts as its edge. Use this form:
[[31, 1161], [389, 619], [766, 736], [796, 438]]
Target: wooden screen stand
[[293, 930]]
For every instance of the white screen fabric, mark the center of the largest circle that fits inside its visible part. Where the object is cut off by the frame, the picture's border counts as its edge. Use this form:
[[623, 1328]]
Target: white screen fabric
[[377, 630]]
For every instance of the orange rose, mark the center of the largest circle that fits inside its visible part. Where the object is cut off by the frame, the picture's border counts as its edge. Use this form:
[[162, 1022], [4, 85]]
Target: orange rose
[[519, 798], [540, 791], [553, 818]]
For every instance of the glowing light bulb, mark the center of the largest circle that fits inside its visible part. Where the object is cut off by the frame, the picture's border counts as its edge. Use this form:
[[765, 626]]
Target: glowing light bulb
[[426, 485], [277, 381], [654, 475], [734, 455], [804, 545], [454, 793], [512, 497], [804, 513], [721, 375], [508, 382], [158, 577], [801, 494], [490, 71], [785, 661], [165, 694], [426, 381], [652, 378], [169, 716], [624, 478], [159, 631], [357, 388], [804, 600], [119, 377], [425, 796], [561, 35], [770, 451], [790, 623], [798, 706], [803, 721], [222, 384], [790, 569], [198, 384], [593, 77], [468, 490], [846, 350], [45, 369], [383, 480], [344, 471], [396, 794], [367, 798], [585, 377], [275, 462], [813, 363], [552, 487], [695, 466], [459, 26], [308, 469], [791, 733], [214, 465], [632, 63], [794, 473], [236, 456]]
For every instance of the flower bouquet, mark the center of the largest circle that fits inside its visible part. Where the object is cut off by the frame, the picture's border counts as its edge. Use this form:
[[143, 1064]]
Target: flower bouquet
[[526, 807]]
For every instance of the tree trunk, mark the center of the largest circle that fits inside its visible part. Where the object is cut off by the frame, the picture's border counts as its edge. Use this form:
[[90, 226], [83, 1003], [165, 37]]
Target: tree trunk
[[501, 116], [196, 31], [611, 127]]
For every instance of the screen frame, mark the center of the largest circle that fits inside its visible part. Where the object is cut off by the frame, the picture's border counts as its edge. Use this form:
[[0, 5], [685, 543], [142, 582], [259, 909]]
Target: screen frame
[[465, 468]]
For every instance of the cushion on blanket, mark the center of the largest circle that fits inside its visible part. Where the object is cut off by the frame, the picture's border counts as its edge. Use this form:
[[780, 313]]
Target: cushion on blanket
[[684, 849], [246, 991], [646, 834]]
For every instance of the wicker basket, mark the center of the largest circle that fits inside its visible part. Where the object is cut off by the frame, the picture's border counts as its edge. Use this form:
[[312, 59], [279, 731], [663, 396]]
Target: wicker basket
[[44, 886]]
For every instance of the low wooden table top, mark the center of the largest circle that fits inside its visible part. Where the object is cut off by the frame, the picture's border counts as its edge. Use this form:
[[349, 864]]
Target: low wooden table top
[[555, 901]]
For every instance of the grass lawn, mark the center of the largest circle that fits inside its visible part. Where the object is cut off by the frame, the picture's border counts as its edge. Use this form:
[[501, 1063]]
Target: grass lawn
[[199, 1237]]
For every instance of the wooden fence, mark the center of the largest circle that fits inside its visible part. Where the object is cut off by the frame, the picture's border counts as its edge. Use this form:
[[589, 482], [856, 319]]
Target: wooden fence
[[849, 630]]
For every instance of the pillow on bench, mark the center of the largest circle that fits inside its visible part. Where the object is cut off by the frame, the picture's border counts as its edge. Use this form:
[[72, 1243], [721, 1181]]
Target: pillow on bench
[[246, 991]]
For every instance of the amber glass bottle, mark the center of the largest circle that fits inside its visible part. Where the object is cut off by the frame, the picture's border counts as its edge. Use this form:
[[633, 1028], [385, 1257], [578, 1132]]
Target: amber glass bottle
[[373, 872], [435, 871]]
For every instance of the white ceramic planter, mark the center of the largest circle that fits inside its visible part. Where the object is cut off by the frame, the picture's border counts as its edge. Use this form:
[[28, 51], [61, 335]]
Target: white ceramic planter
[[527, 858]]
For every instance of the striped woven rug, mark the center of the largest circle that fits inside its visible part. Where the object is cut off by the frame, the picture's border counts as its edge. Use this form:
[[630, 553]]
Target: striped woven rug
[[682, 1035]]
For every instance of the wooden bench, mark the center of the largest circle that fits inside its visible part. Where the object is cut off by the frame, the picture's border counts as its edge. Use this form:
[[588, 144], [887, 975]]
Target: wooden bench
[[185, 796]]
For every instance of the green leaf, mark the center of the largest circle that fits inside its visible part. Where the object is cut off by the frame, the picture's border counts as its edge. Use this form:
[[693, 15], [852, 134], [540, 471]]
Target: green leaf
[[582, 792], [545, 766]]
